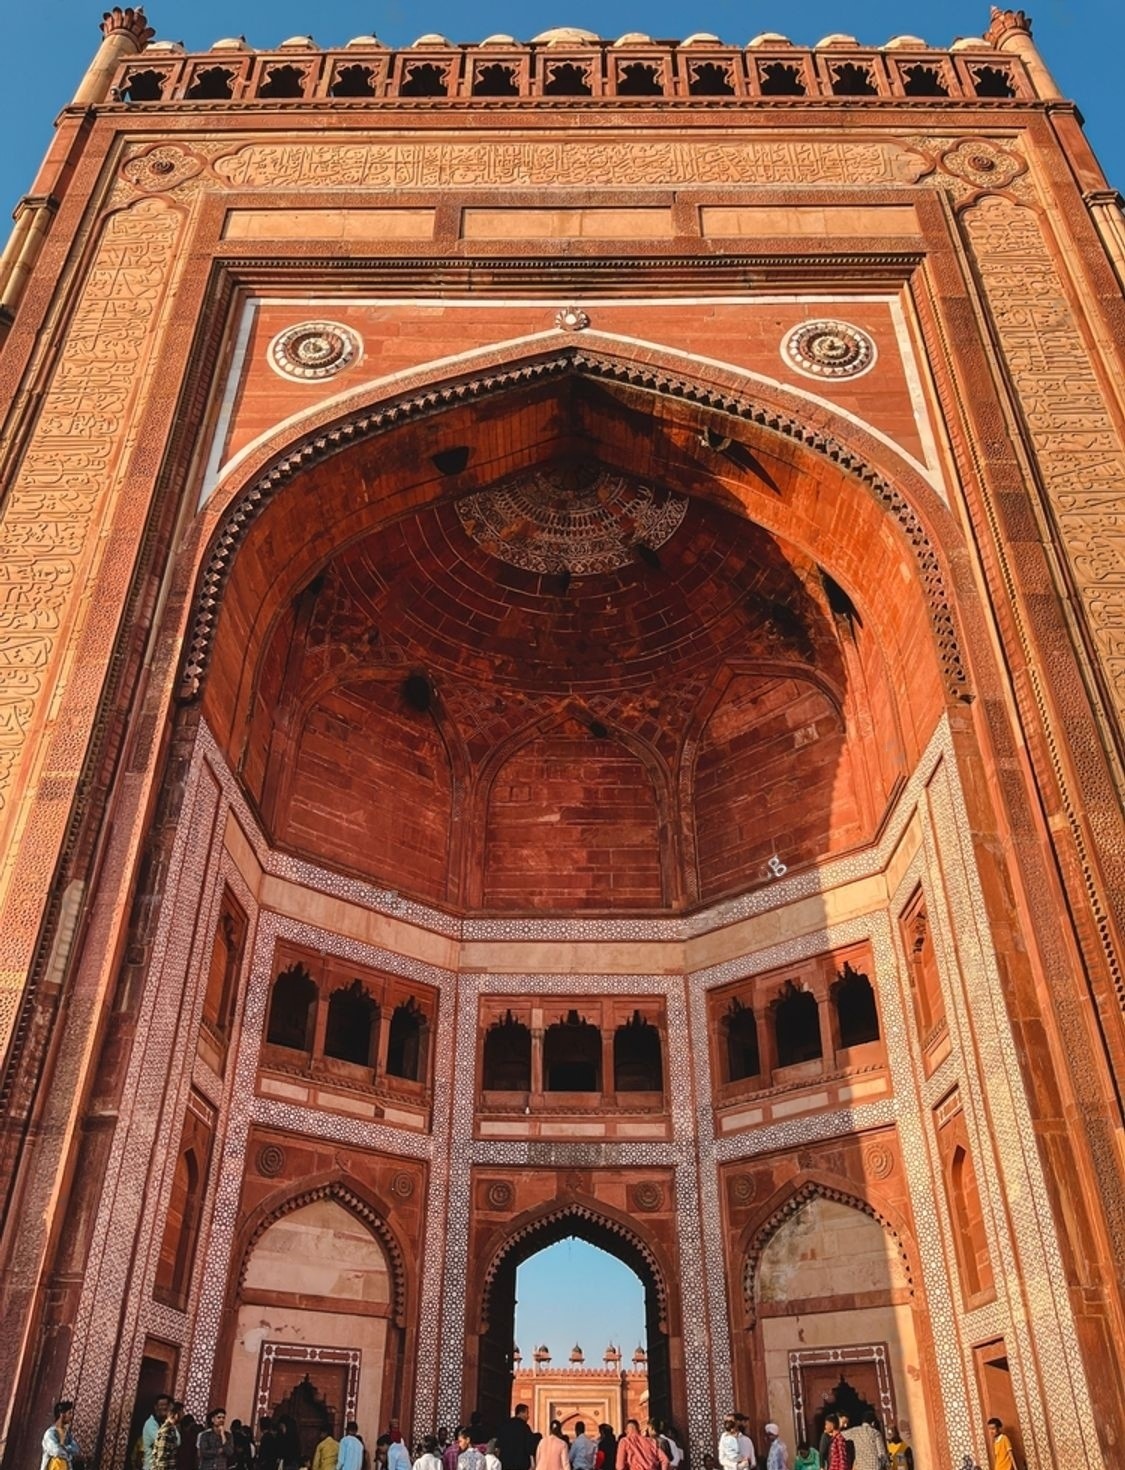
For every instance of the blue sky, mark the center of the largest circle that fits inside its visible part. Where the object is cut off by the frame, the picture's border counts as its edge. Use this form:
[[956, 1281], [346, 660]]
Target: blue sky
[[574, 1293], [50, 45]]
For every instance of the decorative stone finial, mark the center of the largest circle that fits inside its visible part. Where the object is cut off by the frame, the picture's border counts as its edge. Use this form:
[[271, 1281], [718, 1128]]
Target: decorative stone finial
[[571, 319], [1004, 22], [134, 21]]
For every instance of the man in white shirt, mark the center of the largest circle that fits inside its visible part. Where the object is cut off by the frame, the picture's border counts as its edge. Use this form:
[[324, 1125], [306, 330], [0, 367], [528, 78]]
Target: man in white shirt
[[745, 1443], [583, 1450], [351, 1448]]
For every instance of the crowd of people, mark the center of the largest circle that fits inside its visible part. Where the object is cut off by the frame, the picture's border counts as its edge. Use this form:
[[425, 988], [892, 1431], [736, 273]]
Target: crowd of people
[[172, 1440], [842, 1446]]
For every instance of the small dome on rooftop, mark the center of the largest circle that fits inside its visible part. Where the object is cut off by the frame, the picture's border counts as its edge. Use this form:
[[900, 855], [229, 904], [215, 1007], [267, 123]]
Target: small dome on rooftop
[[298, 43], [972, 43], [164, 46], [836, 39], [431, 38], [367, 41], [633, 38], [769, 38], [905, 43], [230, 43], [564, 36], [701, 38], [499, 39]]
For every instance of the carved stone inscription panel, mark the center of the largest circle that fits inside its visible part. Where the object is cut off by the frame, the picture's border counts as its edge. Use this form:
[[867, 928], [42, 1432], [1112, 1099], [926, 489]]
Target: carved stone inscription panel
[[60, 499], [491, 164], [1076, 441]]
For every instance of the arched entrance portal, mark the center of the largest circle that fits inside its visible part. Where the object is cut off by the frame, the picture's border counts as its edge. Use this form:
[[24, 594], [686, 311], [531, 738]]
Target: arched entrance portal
[[611, 663], [498, 1307]]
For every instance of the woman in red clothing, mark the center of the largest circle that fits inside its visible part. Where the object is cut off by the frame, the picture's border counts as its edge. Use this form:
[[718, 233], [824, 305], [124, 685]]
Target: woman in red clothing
[[841, 1451]]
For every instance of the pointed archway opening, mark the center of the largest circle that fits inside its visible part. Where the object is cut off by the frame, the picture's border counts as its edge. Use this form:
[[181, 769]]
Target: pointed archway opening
[[580, 1315], [557, 1251]]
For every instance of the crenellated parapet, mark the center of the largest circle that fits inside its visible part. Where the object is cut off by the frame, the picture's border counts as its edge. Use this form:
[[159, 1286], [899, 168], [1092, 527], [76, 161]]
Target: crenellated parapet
[[568, 67]]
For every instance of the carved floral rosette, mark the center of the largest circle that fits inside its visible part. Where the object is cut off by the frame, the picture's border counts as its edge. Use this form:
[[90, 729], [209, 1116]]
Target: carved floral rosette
[[311, 351], [828, 349]]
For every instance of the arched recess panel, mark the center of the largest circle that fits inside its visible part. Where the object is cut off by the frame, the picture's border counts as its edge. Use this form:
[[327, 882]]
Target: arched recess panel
[[371, 789], [833, 1301], [316, 1279], [573, 822], [773, 775]]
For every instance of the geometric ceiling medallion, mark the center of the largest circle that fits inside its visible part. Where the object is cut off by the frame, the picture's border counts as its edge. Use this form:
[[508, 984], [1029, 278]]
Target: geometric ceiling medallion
[[313, 350], [573, 516], [828, 349]]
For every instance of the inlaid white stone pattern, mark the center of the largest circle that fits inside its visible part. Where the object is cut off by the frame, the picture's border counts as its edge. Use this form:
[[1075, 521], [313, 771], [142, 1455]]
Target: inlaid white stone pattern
[[105, 1359]]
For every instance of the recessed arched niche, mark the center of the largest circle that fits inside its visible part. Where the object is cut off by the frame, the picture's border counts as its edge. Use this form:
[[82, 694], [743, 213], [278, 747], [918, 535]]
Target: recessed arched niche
[[587, 669]]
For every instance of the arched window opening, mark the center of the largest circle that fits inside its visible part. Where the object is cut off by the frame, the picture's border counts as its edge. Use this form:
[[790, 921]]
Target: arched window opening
[[923, 81], [177, 1253], [144, 86], [212, 84], [976, 1268], [496, 80], [637, 1065], [777, 79], [292, 1010], [710, 79], [572, 1056], [992, 81], [185, 1198], [796, 1021], [857, 1019], [640, 79], [424, 79], [353, 81], [743, 1056], [850, 80], [406, 1043], [226, 961], [925, 981], [283, 81], [567, 79], [353, 1019], [507, 1056]]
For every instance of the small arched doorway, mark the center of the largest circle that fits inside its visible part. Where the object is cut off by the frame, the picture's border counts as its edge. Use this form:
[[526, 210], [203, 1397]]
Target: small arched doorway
[[498, 1305], [316, 1331], [836, 1324]]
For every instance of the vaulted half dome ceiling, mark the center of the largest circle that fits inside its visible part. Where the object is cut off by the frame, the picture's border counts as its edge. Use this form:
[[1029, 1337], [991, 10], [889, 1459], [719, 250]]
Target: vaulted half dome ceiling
[[568, 578], [571, 689]]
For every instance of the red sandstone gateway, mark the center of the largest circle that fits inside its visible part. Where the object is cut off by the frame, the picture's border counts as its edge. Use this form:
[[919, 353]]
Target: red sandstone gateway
[[561, 676]]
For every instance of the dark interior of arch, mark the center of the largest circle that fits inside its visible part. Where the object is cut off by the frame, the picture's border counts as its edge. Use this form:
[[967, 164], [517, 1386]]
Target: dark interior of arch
[[635, 696], [494, 1382]]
